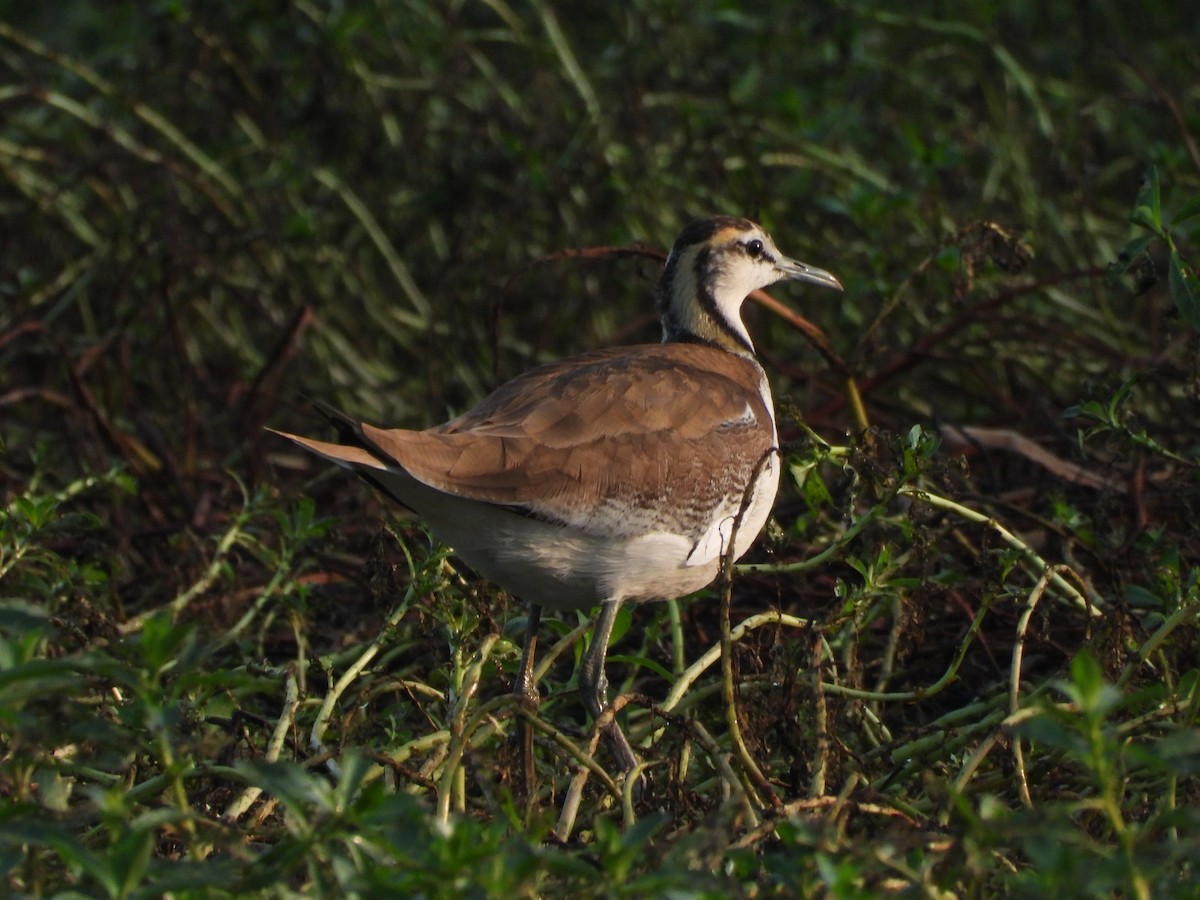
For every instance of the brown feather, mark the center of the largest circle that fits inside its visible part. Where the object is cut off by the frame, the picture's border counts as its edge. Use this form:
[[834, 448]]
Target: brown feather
[[649, 425]]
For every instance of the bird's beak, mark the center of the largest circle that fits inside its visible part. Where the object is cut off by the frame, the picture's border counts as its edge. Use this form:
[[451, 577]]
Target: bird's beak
[[798, 271]]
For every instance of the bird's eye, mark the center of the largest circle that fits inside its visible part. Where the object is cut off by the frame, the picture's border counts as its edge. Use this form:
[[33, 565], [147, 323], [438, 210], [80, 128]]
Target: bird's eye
[[755, 248]]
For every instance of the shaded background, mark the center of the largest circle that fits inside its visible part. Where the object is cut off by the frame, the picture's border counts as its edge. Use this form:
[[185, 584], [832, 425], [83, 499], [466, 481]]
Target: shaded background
[[208, 211], [211, 212]]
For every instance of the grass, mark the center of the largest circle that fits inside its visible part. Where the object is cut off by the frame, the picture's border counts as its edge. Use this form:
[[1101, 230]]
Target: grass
[[963, 661]]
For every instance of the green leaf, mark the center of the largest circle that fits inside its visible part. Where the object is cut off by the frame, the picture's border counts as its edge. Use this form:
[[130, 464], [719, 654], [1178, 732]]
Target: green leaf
[[1027, 84], [20, 616], [812, 485], [130, 856], [1086, 673], [39, 676], [354, 767], [644, 662], [1189, 687], [1149, 201], [1189, 210], [162, 640], [288, 782], [1141, 597], [1119, 398], [1185, 290], [35, 510], [1144, 216], [1131, 253], [1178, 752], [24, 828], [1055, 731], [1088, 688]]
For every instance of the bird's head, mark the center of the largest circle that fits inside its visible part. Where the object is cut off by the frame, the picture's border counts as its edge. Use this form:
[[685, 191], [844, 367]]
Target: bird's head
[[714, 265]]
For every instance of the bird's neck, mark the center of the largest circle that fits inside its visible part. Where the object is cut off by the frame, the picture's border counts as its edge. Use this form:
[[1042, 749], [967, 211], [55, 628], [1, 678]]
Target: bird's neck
[[698, 305]]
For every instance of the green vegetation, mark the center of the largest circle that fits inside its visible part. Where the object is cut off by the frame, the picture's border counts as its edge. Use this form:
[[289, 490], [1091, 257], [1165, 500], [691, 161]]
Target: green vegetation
[[966, 659]]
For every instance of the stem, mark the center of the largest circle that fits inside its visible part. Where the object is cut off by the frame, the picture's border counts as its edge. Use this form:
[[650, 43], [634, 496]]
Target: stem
[[339, 688], [1087, 605]]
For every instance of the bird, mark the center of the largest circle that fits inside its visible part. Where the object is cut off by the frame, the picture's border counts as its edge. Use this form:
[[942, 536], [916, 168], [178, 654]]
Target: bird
[[617, 476]]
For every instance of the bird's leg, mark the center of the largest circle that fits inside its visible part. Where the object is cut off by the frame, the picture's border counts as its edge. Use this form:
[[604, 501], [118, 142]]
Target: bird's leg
[[526, 689], [593, 684]]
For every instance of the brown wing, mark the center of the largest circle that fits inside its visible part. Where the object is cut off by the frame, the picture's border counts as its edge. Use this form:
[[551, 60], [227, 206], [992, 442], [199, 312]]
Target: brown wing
[[629, 424]]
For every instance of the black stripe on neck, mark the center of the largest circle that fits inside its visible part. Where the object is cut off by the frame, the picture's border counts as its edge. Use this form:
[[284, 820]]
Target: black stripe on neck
[[703, 270]]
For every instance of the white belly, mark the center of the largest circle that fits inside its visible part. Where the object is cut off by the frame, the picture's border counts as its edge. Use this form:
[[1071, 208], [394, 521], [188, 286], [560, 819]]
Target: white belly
[[566, 568]]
